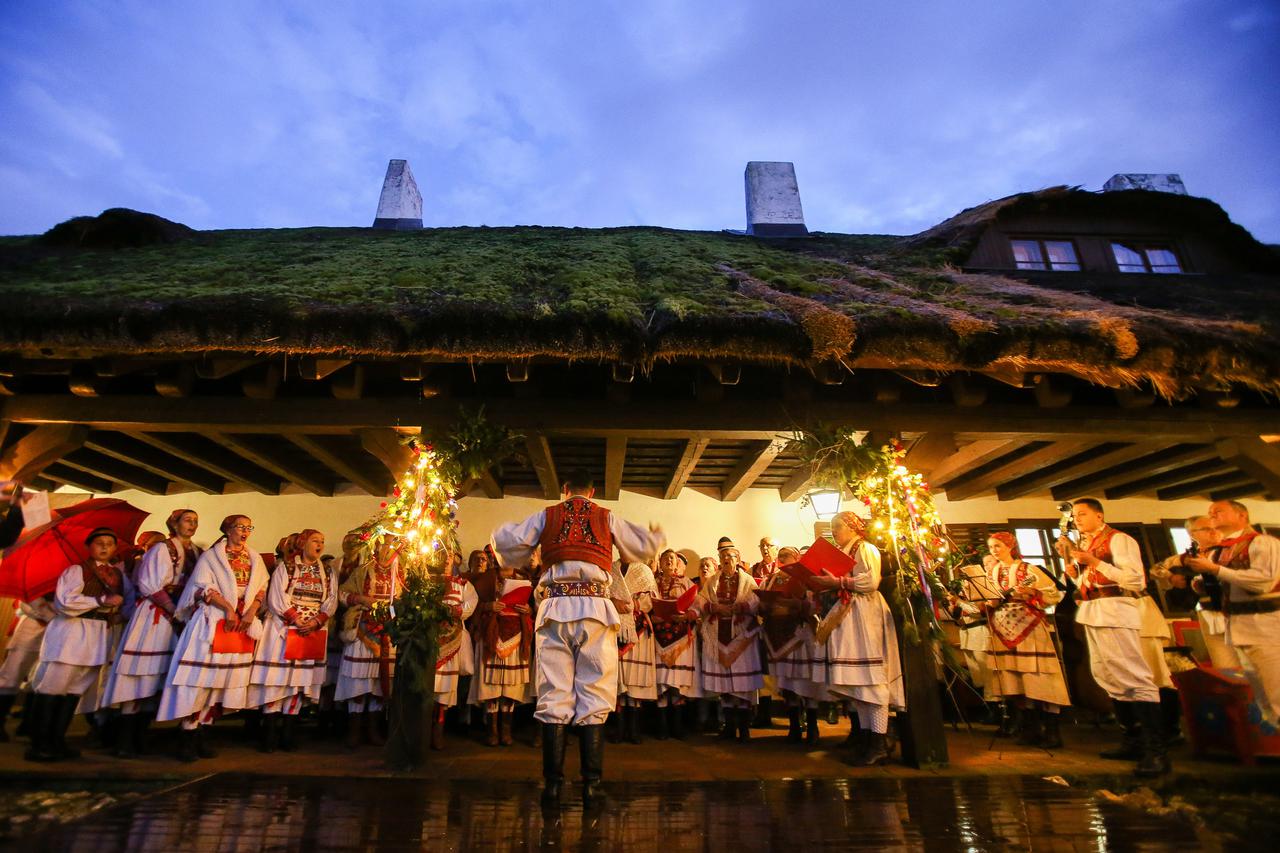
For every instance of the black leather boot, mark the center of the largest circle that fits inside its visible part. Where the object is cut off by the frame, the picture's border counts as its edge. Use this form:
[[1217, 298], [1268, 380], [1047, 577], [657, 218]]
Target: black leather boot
[[1030, 732], [854, 739], [664, 728], [730, 726], [141, 726], [811, 735], [876, 753], [1171, 716], [66, 712], [187, 746], [744, 724], [289, 732], [204, 749], [591, 757], [1155, 755], [675, 717], [1008, 720], [793, 724], [40, 713], [764, 713], [126, 740], [1130, 748], [6, 702], [553, 743], [632, 719], [618, 732], [1051, 737], [270, 733]]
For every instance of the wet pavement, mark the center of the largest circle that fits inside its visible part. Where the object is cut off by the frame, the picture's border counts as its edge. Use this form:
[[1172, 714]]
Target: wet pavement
[[233, 812]]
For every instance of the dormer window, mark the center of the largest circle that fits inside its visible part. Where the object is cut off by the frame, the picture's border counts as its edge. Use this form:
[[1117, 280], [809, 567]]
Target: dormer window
[[1146, 257], [1056, 255]]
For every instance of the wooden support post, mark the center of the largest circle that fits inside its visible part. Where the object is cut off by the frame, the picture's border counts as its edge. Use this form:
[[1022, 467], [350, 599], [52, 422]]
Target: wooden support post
[[1255, 457], [31, 454], [755, 461], [615, 460], [340, 465], [544, 465], [693, 450]]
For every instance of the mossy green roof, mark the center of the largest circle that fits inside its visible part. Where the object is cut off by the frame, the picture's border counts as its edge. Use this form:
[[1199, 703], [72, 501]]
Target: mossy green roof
[[635, 294]]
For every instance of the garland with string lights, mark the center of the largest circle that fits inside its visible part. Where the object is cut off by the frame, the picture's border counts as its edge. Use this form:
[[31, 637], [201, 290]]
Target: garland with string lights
[[904, 523]]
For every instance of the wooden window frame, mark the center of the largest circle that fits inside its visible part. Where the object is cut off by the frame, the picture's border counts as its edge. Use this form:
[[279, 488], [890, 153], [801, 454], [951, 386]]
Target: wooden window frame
[[1044, 253], [1142, 247]]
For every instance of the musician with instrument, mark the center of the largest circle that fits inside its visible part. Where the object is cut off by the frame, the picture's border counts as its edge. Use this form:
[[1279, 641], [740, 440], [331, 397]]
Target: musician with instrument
[[1107, 569], [1022, 656], [1213, 623], [1248, 565]]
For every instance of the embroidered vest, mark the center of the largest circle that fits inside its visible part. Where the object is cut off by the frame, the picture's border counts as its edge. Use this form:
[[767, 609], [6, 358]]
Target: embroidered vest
[[241, 567], [1101, 586], [1233, 553], [308, 588], [183, 565], [577, 529], [102, 580], [726, 594]]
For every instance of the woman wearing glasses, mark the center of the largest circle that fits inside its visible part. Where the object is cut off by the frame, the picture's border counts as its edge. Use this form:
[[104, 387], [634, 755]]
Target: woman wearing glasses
[[212, 661]]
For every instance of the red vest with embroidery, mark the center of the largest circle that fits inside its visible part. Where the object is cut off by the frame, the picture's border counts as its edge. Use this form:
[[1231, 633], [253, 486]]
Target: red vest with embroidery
[[577, 529], [1100, 586], [1234, 553]]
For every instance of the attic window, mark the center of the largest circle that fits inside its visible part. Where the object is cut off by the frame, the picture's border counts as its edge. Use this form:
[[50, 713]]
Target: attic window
[[1057, 255], [1146, 257]]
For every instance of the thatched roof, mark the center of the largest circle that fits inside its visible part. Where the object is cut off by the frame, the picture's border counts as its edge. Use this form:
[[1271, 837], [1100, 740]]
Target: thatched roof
[[633, 294]]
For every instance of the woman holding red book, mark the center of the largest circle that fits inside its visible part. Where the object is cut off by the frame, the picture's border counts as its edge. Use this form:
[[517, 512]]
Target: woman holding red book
[[504, 642], [677, 672]]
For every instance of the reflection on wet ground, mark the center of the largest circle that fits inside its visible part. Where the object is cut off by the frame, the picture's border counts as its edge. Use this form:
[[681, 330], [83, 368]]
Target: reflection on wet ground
[[232, 813]]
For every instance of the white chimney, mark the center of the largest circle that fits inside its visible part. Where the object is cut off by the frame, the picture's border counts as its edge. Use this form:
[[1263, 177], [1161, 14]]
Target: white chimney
[[400, 205], [1159, 183], [773, 200]]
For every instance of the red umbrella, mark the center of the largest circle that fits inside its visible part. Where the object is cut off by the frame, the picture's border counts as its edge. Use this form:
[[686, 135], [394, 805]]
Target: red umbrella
[[32, 566]]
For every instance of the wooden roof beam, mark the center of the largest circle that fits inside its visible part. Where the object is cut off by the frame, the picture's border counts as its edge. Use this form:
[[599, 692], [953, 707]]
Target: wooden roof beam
[[1204, 486], [225, 465], [971, 457], [120, 473], [385, 445], [615, 460], [797, 484], [928, 451], [1237, 492], [754, 462], [79, 479], [1019, 465], [32, 453], [1255, 457], [1158, 462], [338, 463], [1154, 482], [693, 450], [544, 465], [249, 449], [148, 458], [1086, 463], [313, 368]]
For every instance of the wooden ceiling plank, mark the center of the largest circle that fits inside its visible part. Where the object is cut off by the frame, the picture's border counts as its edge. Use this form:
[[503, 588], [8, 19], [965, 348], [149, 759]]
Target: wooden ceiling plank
[[29, 455], [78, 479], [229, 470], [246, 447], [1204, 486], [1154, 463], [1155, 482], [797, 483], [971, 457], [754, 462], [1088, 463], [1019, 466], [120, 473], [928, 451], [149, 458], [342, 468], [693, 450], [1255, 457]]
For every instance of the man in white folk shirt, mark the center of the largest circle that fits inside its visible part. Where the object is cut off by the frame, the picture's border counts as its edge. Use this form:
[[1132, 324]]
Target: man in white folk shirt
[[1107, 570], [577, 623], [1248, 564]]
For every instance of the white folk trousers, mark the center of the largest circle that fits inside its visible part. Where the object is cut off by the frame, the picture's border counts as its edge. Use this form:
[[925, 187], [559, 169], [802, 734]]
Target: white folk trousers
[[577, 672]]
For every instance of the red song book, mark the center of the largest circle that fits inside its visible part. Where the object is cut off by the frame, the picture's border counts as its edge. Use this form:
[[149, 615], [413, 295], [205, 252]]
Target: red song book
[[516, 592], [313, 646], [231, 642], [668, 608], [823, 556]]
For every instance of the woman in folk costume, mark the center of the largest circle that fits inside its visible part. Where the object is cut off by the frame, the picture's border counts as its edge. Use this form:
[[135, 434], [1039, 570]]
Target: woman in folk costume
[[289, 664], [793, 651], [143, 657], [369, 659], [677, 671], [21, 656], [504, 646], [456, 657], [1023, 657], [91, 602], [222, 606], [726, 605], [862, 644], [637, 677], [968, 613]]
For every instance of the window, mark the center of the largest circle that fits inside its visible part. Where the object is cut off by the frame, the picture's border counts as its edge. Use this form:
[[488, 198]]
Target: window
[[1057, 255], [1181, 538], [1139, 257]]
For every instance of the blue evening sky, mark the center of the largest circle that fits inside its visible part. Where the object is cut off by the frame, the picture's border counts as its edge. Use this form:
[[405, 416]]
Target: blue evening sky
[[896, 114]]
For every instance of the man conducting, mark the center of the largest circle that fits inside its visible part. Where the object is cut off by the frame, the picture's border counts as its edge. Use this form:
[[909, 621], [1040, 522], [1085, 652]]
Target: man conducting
[[577, 623]]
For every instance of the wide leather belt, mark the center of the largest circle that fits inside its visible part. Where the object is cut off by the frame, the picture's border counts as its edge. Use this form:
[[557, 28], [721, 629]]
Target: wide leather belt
[[1093, 593], [590, 589], [1245, 608]]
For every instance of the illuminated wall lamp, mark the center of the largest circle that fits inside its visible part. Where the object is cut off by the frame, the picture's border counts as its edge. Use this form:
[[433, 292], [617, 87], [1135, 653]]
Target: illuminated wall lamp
[[825, 503]]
